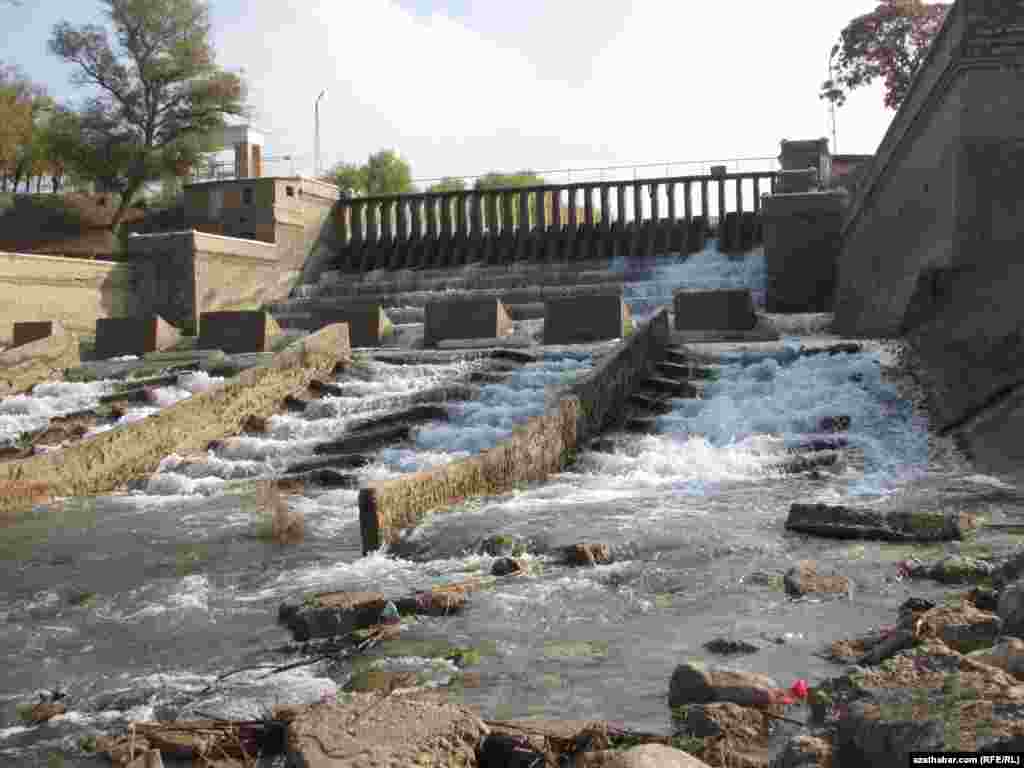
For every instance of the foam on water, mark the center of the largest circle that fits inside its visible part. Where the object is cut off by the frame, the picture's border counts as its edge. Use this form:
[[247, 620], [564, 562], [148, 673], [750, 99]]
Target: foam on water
[[477, 425], [28, 413], [650, 283]]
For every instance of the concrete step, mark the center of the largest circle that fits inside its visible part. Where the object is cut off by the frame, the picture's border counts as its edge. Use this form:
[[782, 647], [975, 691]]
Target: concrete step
[[642, 424], [687, 371], [649, 403], [419, 298], [672, 387]]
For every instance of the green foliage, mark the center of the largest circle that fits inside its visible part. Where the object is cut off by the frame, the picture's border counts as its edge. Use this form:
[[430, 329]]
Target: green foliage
[[384, 173], [890, 43], [161, 96], [526, 178], [87, 743], [448, 184]]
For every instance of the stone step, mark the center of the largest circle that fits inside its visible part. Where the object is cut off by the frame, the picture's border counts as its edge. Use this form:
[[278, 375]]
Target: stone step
[[687, 371], [416, 414], [334, 461], [419, 298], [642, 424], [647, 402], [672, 386], [370, 440]]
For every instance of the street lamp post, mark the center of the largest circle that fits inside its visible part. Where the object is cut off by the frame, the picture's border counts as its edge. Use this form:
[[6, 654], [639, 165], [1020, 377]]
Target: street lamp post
[[316, 137]]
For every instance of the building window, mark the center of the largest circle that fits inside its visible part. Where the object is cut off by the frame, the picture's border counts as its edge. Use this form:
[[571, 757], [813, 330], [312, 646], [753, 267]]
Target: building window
[[247, 196], [290, 191]]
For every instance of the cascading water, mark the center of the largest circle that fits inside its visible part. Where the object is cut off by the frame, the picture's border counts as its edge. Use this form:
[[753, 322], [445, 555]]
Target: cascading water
[[133, 603]]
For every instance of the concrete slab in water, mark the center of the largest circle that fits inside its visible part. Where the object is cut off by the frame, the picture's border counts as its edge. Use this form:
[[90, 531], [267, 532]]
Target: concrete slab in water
[[236, 332], [116, 336]]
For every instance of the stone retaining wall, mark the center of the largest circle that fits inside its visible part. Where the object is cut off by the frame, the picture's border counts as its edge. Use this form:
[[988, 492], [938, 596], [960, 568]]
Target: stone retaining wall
[[102, 463], [543, 445]]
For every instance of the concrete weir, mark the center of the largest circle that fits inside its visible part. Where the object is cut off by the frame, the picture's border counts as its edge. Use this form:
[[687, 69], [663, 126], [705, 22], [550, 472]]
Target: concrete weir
[[102, 463], [541, 446]]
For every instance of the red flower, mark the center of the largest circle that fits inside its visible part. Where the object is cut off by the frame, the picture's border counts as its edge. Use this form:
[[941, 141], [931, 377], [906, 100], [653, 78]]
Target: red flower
[[800, 689]]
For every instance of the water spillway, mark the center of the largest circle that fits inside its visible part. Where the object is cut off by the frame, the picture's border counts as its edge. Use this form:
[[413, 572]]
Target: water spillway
[[135, 602]]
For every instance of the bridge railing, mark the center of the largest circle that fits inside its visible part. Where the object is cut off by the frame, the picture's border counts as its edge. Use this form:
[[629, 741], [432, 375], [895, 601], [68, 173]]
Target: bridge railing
[[551, 223]]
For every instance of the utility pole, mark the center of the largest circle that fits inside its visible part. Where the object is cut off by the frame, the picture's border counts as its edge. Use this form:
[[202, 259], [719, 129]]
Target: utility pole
[[316, 135], [832, 106]]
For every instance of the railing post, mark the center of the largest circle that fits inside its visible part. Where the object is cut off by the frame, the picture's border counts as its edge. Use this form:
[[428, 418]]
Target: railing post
[[508, 235], [721, 209], [444, 242], [400, 255], [604, 249], [673, 240], [372, 237], [555, 233], [476, 225], [491, 239], [740, 227], [587, 241], [572, 232], [539, 224], [357, 243], [430, 241], [460, 257], [523, 235], [415, 258], [638, 220], [621, 225], [654, 229]]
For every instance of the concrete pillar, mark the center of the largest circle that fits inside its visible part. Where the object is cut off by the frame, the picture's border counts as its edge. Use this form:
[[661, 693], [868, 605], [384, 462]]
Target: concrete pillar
[[242, 160], [257, 161]]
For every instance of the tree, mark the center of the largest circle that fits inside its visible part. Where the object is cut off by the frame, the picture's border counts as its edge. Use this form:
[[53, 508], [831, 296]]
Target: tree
[[448, 184], [21, 103], [384, 173], [160, 92], [889, 42]]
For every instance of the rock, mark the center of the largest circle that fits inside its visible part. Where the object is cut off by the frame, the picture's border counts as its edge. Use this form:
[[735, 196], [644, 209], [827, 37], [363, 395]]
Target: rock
[[808, 463], [1011, 569], [1007, 655], [696, 683], [730, 647], [587, 554], [654, 756], [500, 750], [895, 641], [505, 566], [834, 424], [962, 627], [850, 523], [255, 424], [45, 710], [501, 545], [603, 445], [984, 598], [915, 605], [805, 751], [822, 444], [864, 738], [803, 579], [1011, 608], [150, 759], [331, 613], [415, 729], [382, 680], [953, 569], [834, 349]]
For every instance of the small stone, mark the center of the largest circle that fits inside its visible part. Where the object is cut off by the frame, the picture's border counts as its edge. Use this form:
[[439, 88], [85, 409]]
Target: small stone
[[254, 424], [588, 554], [834, 424], [501, 545], [730, 647], [505, 566]]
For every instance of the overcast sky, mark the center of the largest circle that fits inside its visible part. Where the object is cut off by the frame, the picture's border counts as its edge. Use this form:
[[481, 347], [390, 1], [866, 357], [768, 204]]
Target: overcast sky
[[469, 86]]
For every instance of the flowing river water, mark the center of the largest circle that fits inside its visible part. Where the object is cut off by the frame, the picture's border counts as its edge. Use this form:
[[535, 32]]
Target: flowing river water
[[133, 603]]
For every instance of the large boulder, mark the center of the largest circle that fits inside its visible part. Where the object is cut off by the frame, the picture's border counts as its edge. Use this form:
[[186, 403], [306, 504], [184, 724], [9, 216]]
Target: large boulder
[[1011, 608], [415, 729], [1007, 655]]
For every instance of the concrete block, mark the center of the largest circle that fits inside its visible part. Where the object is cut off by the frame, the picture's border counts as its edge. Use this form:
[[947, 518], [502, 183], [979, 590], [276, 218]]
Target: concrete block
[[33, 331], [721, 310], [802, 239], [368, 324], [473, 318], [236, 332], [582, 319], [117, 336]]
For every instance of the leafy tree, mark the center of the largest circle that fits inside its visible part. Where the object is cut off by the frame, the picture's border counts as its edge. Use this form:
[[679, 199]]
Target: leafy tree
[[21, 103], [448, 184], [161, 94], [889, 42], [384, 173]]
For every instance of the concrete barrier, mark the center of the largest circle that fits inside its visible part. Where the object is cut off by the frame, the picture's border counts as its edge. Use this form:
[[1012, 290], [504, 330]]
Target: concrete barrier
[[116, 336], [23, 367], [801, 249], [541, 446], [583, 319], [106, 461], [237, 332], [368, 324], [716, 310], [470, 318], [35, 330]]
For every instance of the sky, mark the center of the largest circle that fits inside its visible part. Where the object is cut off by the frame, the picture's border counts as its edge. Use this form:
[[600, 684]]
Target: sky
[[470, 86]]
